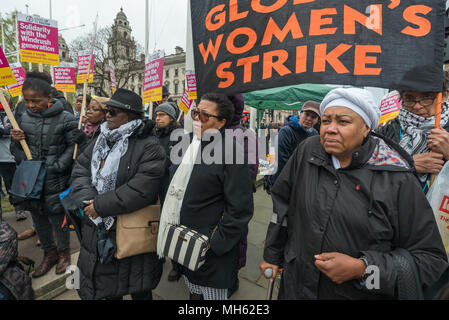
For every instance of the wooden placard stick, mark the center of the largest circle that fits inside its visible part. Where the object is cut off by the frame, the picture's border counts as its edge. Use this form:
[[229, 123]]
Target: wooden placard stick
[[82, 111], [437, 126], [150, 113], [15, 125]]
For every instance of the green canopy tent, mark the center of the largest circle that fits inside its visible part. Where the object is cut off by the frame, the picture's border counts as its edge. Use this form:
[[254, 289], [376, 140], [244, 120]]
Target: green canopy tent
[[285, 98]]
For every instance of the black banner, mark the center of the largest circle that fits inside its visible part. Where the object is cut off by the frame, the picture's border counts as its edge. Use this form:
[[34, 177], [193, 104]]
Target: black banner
[[247, 45]]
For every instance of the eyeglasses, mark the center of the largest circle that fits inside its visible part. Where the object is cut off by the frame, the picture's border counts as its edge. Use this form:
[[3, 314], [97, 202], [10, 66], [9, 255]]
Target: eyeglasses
[[408, 103], [112, 112], [203, 115]]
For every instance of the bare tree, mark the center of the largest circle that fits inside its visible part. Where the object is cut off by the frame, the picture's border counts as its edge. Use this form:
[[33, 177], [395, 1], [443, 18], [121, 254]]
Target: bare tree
[[126, 65]]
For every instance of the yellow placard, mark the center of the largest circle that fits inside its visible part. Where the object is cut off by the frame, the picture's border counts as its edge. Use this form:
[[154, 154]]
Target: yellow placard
[[152, 95], [7, 77], [15, 92], [66, 87], [389, 116], [81, 78], [193, 95], [183, 107], [39, 57]]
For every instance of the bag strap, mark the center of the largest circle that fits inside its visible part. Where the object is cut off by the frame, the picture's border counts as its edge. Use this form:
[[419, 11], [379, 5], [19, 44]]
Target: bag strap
[[50, 135]]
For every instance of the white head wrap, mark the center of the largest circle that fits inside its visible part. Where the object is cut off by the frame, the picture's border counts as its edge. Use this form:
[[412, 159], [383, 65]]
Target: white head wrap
[[360, 101]]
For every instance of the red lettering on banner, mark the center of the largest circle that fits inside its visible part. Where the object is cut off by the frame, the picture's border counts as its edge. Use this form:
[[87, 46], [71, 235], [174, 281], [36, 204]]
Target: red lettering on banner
[[258, 7], [234, 11], [277, 65], [317, 21], [252, 39], [228, 75], [372, 22], [247, 64], [273, 29], [212, 49], [424, 26], [361, 60], [302, 1], [220, 18], [445, 205], [301, 59], [321, 57]]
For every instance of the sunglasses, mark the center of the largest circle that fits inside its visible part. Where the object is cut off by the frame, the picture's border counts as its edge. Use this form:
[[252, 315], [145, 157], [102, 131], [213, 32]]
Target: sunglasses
[[203, 115], [112, 112]]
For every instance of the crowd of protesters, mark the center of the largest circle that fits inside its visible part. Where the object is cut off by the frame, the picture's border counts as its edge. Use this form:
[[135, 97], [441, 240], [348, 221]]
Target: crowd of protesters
[[346, 196]]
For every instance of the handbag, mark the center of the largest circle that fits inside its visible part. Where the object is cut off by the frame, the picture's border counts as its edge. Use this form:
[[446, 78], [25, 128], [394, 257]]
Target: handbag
[[137, 231], [28, 181], [186, 246]]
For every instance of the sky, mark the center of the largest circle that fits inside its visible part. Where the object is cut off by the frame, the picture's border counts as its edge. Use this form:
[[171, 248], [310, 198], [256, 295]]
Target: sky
[[168, 18]]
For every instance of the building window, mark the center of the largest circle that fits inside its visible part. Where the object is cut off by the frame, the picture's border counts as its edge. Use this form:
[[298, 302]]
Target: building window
[[127, 51], [125, 34], [176, 88], [63, 55], [176, 72], [167, 73]]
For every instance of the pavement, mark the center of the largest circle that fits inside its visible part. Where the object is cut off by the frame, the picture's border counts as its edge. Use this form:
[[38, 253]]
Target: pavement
[[253, 286]]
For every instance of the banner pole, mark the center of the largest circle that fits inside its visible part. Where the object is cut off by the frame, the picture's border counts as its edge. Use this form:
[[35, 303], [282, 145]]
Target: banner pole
[[83, 108], [437, 126], [15, 125]]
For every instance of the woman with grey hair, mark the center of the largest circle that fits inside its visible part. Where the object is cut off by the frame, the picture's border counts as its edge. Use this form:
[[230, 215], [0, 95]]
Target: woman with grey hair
[[347, 204]]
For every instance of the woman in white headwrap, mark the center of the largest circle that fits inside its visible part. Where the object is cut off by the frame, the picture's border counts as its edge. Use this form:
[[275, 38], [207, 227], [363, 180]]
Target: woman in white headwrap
[[344, 204]]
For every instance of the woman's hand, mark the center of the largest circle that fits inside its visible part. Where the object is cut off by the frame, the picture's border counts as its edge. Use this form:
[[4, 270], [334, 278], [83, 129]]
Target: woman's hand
[[340, 267], [429, 162], [265, 265], [438, 141], [89, 210], [17, 134]]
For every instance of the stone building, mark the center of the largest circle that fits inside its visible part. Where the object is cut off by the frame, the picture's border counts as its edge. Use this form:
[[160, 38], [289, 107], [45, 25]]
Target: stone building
[[63, 50], [123, 44]]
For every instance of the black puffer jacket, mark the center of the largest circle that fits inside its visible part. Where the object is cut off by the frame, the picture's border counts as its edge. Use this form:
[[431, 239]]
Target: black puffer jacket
[[138, 182], [368, 209], [60, 150], [163, 134]]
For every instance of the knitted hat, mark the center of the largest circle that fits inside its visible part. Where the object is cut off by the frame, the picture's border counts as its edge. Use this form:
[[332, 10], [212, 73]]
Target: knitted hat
[[169, 108], [360, 101]]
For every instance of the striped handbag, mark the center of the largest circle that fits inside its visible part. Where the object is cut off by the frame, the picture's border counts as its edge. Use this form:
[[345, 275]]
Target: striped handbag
[[186, 246]]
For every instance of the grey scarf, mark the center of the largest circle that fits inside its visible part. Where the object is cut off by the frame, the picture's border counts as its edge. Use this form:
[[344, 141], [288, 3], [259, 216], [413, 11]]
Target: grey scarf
[[110, 146], [415, 130]]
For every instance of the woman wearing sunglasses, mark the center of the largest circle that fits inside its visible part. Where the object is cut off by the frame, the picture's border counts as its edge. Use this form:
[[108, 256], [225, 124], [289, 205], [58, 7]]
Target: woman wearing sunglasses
[[119, 172], [414, 129], [217, 195]]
